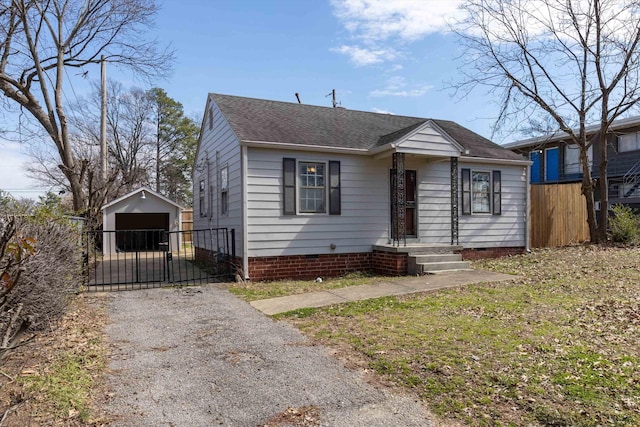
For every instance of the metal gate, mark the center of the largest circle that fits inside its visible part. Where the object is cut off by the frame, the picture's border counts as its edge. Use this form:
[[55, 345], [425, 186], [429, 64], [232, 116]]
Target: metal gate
[[140, 259]]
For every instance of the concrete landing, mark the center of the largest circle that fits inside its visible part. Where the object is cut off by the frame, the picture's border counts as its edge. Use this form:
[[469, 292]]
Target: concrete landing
[[393, 286]]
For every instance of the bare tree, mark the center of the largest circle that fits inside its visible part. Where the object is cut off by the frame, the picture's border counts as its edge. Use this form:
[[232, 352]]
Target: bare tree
[[96, 192], [129, 132], [575, 62], [129, 143], [41, 39]]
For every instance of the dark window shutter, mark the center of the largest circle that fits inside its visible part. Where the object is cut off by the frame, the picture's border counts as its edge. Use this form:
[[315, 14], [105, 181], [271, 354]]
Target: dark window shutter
[[334, 188], [288, 186], [466, 191], [497, 192]]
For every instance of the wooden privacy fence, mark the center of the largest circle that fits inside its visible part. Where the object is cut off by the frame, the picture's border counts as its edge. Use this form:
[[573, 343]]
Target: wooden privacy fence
[[558, 215], [187, 225]]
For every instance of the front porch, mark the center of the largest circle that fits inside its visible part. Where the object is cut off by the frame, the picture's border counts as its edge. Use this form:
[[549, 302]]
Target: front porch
[[424, 258], [418, 258]]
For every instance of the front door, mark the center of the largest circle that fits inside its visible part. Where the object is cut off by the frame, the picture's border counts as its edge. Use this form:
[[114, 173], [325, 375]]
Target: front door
[[410, 201]]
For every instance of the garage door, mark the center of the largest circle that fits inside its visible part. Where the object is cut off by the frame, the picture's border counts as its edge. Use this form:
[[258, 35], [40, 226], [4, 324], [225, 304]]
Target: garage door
[[141, 231]]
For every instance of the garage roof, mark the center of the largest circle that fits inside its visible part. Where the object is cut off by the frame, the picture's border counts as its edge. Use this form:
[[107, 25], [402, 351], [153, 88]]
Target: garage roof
[[138, 191]]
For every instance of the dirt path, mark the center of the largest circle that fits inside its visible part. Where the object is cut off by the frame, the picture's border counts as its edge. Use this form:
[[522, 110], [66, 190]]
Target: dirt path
[[201, 357]]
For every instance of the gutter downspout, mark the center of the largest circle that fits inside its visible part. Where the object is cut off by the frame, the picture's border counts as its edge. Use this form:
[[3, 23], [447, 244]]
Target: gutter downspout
[[527, 207], [245, 213]]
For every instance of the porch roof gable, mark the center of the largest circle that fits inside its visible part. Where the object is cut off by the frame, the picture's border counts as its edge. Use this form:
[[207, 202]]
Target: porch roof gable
[[427, 138]]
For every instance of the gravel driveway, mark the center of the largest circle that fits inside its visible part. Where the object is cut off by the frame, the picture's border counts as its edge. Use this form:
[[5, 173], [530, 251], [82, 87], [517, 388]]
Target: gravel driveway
[[201, 357]]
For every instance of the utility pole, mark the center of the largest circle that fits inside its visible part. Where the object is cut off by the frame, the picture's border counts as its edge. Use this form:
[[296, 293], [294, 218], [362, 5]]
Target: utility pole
[[333, 94], [103, 118]]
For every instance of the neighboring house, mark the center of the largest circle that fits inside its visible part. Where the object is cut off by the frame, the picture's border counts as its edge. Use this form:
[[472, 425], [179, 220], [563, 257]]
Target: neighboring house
[[554, 160], [317, 191], [126, 218]]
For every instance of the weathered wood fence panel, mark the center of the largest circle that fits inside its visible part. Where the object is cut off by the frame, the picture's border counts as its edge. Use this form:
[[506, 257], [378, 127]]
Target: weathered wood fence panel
[[558, 215], [187, 225]]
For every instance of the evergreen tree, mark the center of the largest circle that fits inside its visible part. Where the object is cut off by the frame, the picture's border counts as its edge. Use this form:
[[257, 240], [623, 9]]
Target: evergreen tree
[[176, 141]]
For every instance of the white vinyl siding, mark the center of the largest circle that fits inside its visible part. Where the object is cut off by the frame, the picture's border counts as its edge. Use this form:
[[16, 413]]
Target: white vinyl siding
[[428, 141], [219, 148], [434, 202], [364, 220], [475, 231], [506, 229]]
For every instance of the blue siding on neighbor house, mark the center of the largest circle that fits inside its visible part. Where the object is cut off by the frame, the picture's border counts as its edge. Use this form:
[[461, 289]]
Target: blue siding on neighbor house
[[552, 164], [536, 158]]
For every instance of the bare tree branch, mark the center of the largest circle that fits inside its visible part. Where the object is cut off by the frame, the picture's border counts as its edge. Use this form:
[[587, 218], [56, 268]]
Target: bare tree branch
[[572, 61], [42, 38]]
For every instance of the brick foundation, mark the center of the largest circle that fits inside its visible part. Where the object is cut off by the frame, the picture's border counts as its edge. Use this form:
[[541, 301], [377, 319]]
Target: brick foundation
[[211, 258], [471, 254], [333, 265], [307, 266], [389, 263]]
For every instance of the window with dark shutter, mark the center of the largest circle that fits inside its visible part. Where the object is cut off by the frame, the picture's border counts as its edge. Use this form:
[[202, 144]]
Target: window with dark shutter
[[288, 186], [334, 188], [466, 191], [497, 192]]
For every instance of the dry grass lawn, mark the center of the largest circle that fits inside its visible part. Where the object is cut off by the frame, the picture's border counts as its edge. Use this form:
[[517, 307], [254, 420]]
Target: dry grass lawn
[[558, 346]]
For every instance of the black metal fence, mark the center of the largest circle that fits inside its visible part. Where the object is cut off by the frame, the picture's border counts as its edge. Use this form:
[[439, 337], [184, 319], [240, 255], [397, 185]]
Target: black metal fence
[[139, 259]]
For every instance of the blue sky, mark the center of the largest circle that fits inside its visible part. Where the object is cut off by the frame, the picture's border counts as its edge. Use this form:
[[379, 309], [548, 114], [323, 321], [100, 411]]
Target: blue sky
[[392, 56]]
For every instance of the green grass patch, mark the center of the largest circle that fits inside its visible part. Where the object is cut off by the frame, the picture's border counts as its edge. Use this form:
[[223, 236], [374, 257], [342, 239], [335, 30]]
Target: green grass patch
[[557, 346], [251, 291], [67, 383]]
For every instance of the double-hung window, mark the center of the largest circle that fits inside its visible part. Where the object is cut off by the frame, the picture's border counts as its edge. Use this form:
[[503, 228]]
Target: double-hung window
[[224, 190], [481, 192], [313, 194], [310, 187], [201, 199], [629, 142]]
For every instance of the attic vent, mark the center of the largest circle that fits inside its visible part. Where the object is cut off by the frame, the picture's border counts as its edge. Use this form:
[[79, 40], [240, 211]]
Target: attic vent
[[210, 118]]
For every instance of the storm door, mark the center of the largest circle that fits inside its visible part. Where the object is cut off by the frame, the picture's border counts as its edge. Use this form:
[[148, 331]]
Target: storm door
[[410, 191]]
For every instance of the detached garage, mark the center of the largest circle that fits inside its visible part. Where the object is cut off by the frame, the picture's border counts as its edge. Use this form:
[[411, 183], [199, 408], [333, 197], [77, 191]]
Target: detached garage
[[140, 221]]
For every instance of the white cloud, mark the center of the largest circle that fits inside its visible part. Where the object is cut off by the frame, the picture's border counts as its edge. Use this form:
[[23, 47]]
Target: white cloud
[[397, 86], [407, 20], [378, 110], [363, 56]]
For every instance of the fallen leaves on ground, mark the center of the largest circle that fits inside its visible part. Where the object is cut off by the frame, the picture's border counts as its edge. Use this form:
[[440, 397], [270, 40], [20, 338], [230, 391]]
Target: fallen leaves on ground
[[305, 416], [558, 345], [30, 384]]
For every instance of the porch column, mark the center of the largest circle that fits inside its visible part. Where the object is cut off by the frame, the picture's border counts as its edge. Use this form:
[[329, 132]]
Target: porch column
[[454, 201], [398, 200]]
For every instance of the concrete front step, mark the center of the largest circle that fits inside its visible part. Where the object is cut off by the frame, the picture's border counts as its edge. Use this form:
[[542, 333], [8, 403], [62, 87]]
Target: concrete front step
[[419, 264], [445, 265], [426, 258], [448, 271]]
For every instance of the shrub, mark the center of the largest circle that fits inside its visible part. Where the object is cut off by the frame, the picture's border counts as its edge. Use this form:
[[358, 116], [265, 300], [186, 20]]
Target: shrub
[[40, 268], [625, 225]]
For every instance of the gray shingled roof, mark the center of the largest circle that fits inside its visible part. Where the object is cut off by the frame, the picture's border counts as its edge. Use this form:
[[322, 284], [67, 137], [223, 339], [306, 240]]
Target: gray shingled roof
[[287, 122]]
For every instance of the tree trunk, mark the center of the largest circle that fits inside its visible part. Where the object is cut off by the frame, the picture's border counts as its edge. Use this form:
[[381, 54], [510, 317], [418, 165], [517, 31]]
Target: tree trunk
[[604, 189], [587, 187], [587, 192]]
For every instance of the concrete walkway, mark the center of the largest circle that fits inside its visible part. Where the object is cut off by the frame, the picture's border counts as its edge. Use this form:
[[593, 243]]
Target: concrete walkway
[[394, 286]]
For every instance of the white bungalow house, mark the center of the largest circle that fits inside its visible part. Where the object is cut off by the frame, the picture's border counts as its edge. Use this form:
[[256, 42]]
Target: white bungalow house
[[317, 191]]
